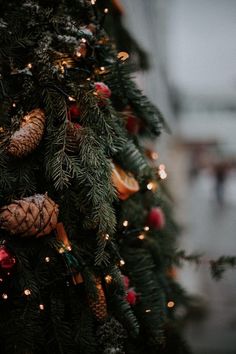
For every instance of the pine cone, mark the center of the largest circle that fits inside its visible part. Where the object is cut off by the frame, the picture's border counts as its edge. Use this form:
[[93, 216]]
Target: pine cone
[[28, 137], [99, 306], [32, 216]]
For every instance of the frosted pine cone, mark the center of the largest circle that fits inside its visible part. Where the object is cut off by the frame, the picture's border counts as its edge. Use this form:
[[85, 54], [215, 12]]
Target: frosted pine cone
[[28, 137], [31, 216]]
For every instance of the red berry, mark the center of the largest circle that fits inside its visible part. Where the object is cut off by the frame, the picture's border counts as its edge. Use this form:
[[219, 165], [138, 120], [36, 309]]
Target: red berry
[[131, 297], [156, 218], [74, 111], [102, 90], [7, 261]]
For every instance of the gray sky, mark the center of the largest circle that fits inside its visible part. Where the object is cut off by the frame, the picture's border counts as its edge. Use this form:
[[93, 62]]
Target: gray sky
[[202, 46]]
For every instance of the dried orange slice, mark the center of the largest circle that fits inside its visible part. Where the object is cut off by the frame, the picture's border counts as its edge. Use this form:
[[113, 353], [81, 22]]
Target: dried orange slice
[[124, 182]]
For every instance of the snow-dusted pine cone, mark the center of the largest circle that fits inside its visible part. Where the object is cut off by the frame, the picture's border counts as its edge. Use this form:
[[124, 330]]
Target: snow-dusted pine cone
[[99, 306], [31, 216], [28, 137]]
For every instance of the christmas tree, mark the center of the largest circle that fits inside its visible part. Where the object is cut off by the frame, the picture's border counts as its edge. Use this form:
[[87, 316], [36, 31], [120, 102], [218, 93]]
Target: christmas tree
[[87, 241]]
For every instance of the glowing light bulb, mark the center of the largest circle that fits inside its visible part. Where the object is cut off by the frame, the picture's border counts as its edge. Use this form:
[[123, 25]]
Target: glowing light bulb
[[150, 186], [125, 223], [106, 10], [1, 280], [69, 248], [27, 292], [41, 306], [154, 155], [13, 104], [83, 40], [141, 236], [122, 262], [107, 237], [47, 259], [93, 2], [61, 250], [4, 296], [29, 66], [148, 310], [108, 279], [102, 68], [170, 304], [71, 98]]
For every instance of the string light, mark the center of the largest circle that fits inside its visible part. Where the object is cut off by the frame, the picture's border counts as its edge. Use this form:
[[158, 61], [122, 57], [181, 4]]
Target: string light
[[102, 68], [162, 172], [141, 236], [148, 310], [61, 250], [78, 54], [13, 104], [170, 304], [146, 228], [108, 279], [154, 155], [4, 296], [83, 40], [1, 280], [107, 237], [106, 10], [125, 223], [29, 66], [93, 2], [122, 262], [47, 259], [41, 306], [71, 98], [69, 248], [150, 186], [27, 292]]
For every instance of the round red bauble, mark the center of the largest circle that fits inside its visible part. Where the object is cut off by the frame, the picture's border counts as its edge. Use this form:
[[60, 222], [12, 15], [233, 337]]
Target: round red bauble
[[126, 282], [131, 297], [156, 218], [102, 90], [74, 112], [7, 261]]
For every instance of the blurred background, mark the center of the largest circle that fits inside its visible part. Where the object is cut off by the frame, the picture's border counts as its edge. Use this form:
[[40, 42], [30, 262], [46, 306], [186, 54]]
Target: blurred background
[[191, 49]]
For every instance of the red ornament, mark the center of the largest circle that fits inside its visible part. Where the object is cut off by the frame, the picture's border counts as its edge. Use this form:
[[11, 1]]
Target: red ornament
[[103, 92], [156, 218], [126, 282], [74, 112], [7, 261], [131, 297]]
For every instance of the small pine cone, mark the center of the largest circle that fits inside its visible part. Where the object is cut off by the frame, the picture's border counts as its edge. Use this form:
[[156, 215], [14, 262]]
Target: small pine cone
[[31, 216], [72, 136], [28, 137], [99, 306]]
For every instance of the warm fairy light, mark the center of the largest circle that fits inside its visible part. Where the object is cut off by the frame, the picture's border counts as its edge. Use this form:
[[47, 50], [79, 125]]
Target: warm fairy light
[[69, 248], [122, 262], [162, 174], [102, 68], [108, 278], [47, 259], [154, 155], [170, 304], [88, 79], [1, 130], [162, 166], [8, 273], [41, 306], [107, 237], [141, 236], [150, 186], [61, 250], [78, 54], [146, 228], [27, 292], [13, 104], [106, 10], [83, 40], [71, 98], [1, 280], [125, 223], [148, 310], [29, 66], [93, 2], [4, 296]]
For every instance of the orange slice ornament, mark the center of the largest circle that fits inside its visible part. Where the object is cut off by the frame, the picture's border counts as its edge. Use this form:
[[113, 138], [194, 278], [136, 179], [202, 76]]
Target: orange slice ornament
[[124, 182]]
